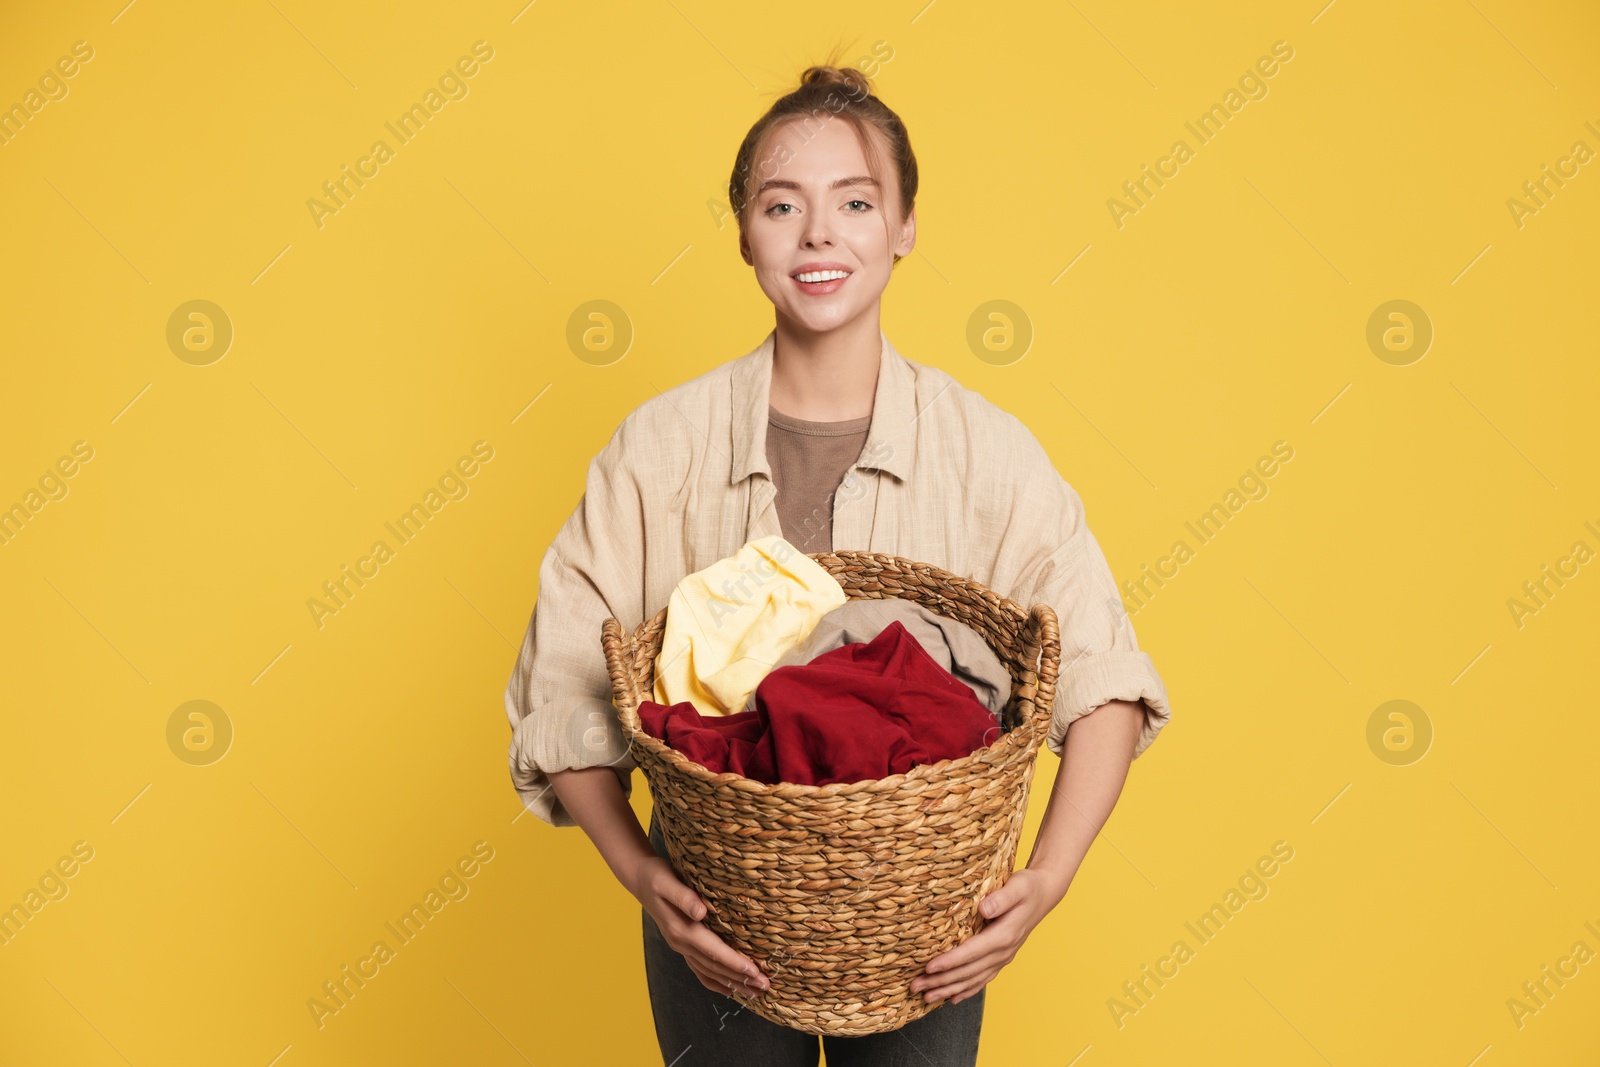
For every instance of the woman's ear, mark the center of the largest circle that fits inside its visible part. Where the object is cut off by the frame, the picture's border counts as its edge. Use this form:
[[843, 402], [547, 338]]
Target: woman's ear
[[908, 235], [744, 250]]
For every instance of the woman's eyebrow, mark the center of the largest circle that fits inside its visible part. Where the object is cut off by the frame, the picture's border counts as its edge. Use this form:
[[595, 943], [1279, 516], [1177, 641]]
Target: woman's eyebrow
[[784, 183]]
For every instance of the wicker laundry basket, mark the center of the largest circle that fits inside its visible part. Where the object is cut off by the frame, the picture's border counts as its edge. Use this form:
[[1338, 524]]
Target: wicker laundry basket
[[842, 893]]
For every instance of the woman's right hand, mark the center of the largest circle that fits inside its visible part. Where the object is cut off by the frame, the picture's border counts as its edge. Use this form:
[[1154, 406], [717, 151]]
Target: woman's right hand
[[678, 911]]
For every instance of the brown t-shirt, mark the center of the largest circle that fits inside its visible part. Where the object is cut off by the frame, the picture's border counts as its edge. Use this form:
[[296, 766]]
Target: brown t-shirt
[[809, 460]]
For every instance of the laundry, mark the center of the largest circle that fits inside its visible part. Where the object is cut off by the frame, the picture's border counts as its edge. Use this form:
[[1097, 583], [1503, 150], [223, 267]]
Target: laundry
[[728, 624], [952, 644], [864, 710]]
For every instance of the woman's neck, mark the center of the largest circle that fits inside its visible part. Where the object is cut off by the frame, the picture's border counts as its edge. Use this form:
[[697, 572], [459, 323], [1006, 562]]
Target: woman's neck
[[826, 377]]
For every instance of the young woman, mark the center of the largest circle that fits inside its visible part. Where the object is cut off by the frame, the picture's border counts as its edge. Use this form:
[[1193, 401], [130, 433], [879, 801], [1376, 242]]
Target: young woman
[[826, 434]]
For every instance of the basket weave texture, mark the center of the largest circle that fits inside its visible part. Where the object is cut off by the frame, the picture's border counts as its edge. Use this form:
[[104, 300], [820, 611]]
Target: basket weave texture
[[842, 893]]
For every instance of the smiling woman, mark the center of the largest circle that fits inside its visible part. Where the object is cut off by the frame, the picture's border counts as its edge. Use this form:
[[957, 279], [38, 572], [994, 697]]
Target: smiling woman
[[823, 418], [829, 169]]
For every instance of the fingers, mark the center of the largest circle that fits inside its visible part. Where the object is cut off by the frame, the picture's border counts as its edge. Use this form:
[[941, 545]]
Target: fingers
[[964, 994], [961, 982], [945, 982], [949, 961], [1000, 900], [721, 975], [980, 950], [709, 967], [688, 901], [664, 884], [717, 951], [957, 993], [719, 981], [717, 963]]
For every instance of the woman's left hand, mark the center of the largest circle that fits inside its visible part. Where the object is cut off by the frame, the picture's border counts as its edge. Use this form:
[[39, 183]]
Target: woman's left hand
[[1012, 911]]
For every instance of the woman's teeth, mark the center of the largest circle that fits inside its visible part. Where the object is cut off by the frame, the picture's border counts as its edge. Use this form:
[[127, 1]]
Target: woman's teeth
[[821, 275]]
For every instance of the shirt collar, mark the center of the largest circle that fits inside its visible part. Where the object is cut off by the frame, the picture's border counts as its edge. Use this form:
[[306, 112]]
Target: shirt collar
[[889, 437]]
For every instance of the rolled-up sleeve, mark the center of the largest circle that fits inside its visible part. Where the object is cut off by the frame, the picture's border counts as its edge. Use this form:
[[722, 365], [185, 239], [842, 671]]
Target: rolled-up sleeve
[[1100, 656], [559, 696]]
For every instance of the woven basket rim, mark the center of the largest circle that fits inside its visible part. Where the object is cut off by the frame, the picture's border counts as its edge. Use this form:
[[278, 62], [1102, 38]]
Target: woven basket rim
[[1022, 738]]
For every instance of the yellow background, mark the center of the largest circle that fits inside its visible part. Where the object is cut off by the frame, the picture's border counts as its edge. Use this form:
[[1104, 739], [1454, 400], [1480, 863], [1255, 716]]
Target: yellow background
[[587, 162]]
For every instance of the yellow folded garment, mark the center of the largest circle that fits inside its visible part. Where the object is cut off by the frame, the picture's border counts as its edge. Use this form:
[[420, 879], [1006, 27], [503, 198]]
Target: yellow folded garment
[[727, 625]]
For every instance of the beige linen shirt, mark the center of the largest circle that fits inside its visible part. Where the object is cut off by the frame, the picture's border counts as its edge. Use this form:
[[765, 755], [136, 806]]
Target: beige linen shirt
[[945, 477]]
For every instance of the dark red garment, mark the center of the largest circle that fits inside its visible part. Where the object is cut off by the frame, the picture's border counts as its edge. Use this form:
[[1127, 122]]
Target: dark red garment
[[864, 710]]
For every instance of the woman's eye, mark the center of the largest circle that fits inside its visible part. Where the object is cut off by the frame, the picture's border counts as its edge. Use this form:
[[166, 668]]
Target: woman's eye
[[774, 208], [864, 205]]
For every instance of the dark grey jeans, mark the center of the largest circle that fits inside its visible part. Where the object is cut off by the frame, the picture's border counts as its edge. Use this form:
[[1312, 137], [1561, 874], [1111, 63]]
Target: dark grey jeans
[[699, 1028]]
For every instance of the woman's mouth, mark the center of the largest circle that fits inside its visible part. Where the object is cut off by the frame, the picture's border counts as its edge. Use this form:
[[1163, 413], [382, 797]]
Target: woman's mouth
[[820, 282]]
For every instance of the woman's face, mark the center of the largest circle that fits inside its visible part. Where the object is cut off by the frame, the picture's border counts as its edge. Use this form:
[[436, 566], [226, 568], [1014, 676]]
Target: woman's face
[[817, 209]]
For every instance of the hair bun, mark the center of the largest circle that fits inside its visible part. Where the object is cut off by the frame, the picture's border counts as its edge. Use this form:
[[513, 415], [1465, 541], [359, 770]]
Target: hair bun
[[849, 77]]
